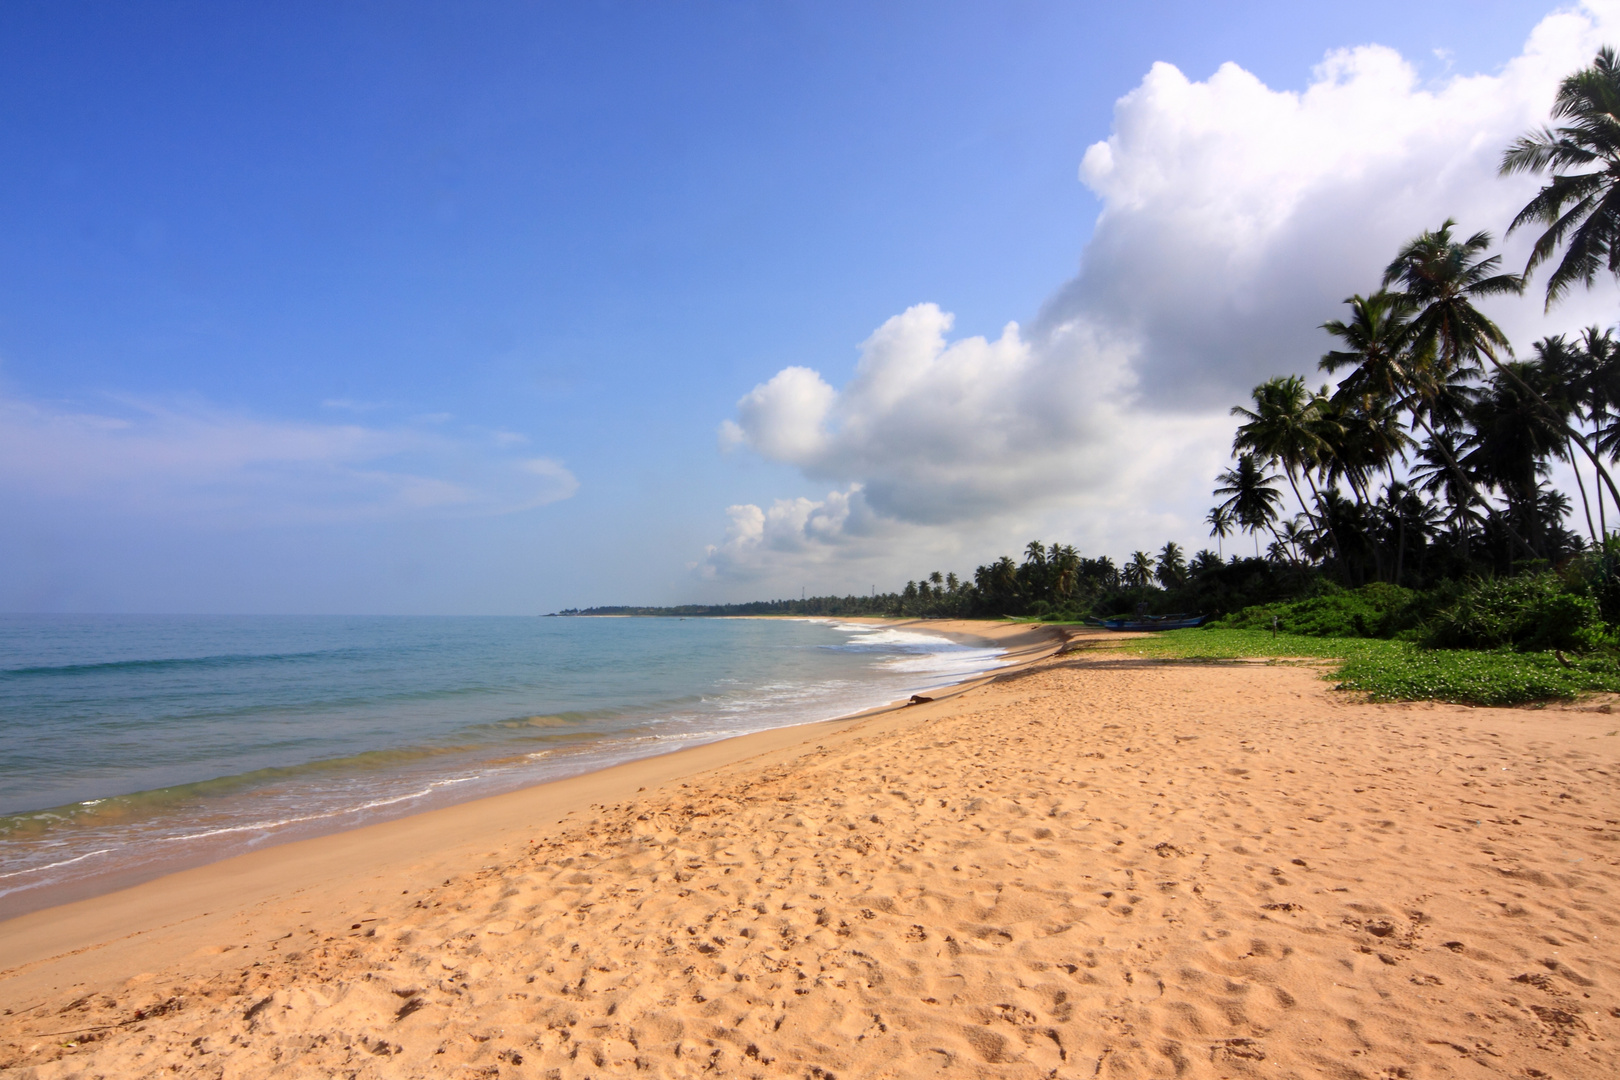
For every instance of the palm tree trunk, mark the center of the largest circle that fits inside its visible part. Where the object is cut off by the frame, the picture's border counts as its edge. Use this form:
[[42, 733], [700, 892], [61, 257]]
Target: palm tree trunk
[[1597, 489], [1400, 545], [1586, 507]]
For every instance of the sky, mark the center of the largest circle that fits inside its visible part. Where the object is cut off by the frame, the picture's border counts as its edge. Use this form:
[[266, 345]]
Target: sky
[[502, 308]]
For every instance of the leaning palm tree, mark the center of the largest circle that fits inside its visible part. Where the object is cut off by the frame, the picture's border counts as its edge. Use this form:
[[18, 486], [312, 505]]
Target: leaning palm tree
[[1565, 374], [1580, 204], [1251, 498]]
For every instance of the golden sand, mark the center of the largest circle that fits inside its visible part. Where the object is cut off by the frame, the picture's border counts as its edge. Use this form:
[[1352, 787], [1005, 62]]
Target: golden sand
[[1093, 866]]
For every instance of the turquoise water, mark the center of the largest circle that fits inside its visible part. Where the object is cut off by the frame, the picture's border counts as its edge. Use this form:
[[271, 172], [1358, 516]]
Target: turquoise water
[[134, 745]]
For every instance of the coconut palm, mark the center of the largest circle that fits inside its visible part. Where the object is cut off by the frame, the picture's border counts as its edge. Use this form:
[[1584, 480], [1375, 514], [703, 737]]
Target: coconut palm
[[1299, 534], [1409, 517], [1513, 437], [1437, 472], [1378, 340], [1220, 522], [1440, 278], [1284, 427], [1251, 498], [1580, 204], [1138, 572], [1172, 571], [1064, 562], [1564, 374], [1596, 398]]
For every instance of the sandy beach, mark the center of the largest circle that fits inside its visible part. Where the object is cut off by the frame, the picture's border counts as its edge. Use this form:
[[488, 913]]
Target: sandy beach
[[1092, 865]]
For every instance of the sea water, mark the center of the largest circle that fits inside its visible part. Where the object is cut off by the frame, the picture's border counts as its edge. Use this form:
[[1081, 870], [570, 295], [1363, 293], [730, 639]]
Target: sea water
[[131, 746]]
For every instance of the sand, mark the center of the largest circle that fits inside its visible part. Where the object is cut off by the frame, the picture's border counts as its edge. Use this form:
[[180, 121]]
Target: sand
[[1096, 865]]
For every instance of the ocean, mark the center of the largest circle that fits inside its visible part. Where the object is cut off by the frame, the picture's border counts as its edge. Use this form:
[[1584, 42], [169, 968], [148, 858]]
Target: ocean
[[132, 746]]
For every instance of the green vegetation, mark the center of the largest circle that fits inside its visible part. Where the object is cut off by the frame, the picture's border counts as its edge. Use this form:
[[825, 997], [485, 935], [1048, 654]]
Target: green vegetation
[[1373, 611], [1418, 542], [1402, 671]]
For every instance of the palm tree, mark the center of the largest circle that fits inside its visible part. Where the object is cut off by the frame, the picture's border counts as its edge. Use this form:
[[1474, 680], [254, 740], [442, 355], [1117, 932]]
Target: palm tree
[[1378, 339], [1138, 572], [1410, 517], [1440, 277], [1283, 427], [1220, 522], [1172, 572], [1064, 561], [1299, 534], [1563, 371], [1597, 399], [1584, 159], [1251, 498], [1512, 439], [1437, 471]]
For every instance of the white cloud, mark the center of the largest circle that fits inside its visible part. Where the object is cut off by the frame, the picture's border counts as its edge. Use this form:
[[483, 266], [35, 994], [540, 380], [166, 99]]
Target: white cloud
[[1235, 219], [214, 466]]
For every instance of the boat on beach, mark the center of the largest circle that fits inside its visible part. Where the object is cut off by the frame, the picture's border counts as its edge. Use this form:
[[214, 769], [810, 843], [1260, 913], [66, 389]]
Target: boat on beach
[[1150, 622]]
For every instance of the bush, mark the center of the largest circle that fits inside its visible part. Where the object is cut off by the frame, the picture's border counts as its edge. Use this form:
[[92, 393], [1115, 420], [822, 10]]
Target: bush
[[1373, 611], [1534, 612], [1597, 574]]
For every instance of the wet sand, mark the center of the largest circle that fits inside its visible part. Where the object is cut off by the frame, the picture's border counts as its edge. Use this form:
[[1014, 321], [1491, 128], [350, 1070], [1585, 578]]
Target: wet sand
[[1096, 865]]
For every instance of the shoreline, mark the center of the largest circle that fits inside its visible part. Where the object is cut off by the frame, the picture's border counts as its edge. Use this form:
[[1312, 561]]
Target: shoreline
[[38, 888], [1093, 864], [394, 847]]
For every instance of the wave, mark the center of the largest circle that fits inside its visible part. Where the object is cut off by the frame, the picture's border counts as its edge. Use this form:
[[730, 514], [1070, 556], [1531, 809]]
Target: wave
[[224, 660], [604, 711]]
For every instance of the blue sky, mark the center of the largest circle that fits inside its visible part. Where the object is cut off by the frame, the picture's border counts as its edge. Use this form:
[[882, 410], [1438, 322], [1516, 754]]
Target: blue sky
[[426, 308]]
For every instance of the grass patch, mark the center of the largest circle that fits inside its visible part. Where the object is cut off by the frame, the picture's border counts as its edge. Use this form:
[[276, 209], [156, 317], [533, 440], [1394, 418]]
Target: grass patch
[[1400, 671]]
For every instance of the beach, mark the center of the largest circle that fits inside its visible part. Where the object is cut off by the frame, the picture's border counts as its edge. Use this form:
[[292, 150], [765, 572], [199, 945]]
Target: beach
[[1091, 864]]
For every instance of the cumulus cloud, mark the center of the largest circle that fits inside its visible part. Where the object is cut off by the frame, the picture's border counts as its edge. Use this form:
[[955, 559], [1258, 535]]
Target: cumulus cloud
[[222, 467], [1235, 219]]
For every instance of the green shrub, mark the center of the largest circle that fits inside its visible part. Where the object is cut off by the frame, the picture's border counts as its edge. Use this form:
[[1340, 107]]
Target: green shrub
[[1372, 611], [1533, 612], [1597, 574]]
